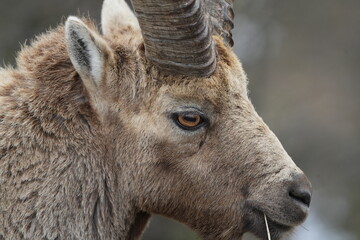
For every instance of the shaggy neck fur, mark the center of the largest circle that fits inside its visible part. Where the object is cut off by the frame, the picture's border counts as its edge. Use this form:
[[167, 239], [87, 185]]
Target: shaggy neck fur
[[52, 151]]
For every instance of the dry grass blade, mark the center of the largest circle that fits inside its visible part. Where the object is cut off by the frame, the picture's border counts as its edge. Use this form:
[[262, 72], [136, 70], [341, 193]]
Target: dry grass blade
[[267, 228]]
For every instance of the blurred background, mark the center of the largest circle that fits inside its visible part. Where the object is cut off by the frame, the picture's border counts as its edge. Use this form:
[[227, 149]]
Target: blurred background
[[303, 62]]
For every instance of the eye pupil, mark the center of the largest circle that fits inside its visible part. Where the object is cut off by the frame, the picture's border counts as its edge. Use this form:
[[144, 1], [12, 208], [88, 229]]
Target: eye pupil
[[190, 119]]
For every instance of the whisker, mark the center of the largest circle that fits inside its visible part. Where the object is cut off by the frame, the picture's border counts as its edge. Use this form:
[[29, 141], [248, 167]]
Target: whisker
[[267, 228], [304, 228]]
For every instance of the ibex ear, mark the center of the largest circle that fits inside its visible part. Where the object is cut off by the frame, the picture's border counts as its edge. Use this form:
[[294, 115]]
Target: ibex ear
[[87, 51], [116, 15]]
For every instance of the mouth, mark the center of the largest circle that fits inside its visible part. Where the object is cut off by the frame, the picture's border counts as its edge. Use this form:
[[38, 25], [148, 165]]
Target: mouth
[[282, 218], [258, 227], [275, 229]]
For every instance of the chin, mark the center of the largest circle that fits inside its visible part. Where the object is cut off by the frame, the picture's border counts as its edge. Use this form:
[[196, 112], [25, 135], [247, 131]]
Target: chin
[[255, 224]]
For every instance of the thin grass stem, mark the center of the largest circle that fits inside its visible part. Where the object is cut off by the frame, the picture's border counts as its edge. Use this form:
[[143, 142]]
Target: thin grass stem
[[267, 228]]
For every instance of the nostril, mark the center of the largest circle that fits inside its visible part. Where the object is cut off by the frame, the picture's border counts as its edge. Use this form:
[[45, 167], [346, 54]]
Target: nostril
[[301, 195]]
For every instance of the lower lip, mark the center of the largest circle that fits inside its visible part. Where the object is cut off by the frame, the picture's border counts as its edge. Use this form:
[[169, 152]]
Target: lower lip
[[272, 223], [258, 228], [279, 226]]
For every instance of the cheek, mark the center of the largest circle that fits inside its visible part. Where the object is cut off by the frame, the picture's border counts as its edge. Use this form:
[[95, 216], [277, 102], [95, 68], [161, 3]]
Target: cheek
[[177, 150], [177, 157]]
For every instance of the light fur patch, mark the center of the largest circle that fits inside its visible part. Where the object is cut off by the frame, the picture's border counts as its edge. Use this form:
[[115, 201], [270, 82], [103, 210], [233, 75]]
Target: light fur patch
[[117, 12], [6, 77]]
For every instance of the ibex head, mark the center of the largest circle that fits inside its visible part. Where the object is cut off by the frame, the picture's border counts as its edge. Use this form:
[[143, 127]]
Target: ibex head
[[183, 136]]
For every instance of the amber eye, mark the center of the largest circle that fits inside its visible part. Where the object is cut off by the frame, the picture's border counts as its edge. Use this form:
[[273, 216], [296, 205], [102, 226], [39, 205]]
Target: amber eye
[[189, 121]]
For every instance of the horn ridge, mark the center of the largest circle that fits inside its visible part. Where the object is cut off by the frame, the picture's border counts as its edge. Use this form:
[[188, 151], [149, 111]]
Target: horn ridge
[[222, 18], [177, 36]]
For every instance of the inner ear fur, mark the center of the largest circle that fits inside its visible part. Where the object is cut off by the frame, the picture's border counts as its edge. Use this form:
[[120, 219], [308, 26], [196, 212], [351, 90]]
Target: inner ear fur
[[88, 52]]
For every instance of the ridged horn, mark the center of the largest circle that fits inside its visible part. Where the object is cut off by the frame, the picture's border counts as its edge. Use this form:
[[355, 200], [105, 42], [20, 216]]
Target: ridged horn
[[177, 36], [222, 17]]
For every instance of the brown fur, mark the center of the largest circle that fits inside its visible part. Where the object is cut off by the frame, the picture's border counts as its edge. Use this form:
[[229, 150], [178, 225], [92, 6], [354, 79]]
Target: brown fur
[[82, 163]]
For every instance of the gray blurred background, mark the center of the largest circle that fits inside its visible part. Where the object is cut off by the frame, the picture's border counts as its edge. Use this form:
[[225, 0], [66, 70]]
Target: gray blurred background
[[303, 62]]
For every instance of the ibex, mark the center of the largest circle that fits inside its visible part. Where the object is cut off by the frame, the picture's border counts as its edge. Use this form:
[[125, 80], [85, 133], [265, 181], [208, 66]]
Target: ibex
[[100, 131]]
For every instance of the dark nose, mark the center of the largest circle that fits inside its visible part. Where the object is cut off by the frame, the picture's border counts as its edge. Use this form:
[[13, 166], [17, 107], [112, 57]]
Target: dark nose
[[300, 190]]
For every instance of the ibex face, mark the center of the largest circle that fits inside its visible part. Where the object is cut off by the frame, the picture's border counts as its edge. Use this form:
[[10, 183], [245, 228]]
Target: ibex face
[[223, 174], [186, 146]]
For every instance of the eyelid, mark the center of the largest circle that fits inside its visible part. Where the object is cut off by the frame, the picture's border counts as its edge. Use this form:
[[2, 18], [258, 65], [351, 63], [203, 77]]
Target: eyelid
[[191, 112]]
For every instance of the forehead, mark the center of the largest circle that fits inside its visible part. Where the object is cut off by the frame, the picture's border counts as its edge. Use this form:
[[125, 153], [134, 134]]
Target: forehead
[[155, 89], [229, 79]]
